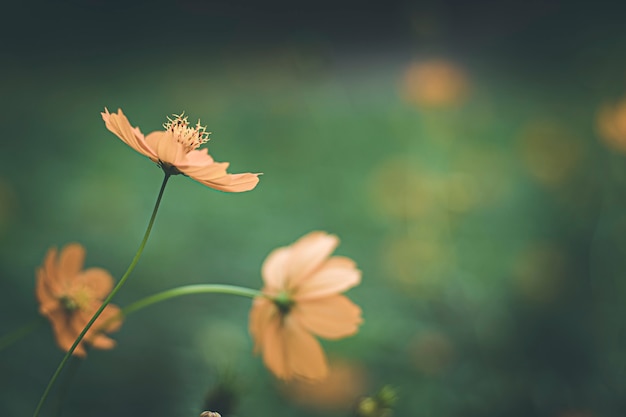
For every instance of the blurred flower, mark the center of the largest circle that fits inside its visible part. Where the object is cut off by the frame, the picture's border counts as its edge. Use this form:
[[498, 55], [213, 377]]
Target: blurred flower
[[550, 152], [420, 266], [338, 392], [301, 298], [611, 125], [69, 296], [434, 83], [175, 150], [401, 190]]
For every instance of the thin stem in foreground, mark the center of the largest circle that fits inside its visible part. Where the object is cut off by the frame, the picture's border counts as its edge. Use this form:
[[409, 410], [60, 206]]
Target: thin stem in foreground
[[106, 300]]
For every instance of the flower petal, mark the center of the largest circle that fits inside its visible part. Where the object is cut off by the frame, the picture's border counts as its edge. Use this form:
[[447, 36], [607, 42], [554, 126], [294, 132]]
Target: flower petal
[[197, 157], [207, 172], [71, 261], [47, 301], [336, 275], [260, 315], [64, 333], [232, 183], [167, 148], [274, 270], [308, 253], [47, 284], [330, 317], [97, 280], [304, 354], [119, 125], [275, 350]]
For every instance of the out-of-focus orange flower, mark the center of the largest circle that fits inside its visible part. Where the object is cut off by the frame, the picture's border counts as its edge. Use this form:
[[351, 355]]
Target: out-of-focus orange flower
[[611, 125], [435, 83], [301, 299], [345, 383], [176, 151], [69, 296]]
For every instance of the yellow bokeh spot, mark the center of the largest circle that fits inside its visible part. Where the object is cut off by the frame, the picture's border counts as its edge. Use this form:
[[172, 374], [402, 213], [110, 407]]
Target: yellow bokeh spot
[[400, 190], [611, 125], [434, 83], [550, 152], [419, 265]]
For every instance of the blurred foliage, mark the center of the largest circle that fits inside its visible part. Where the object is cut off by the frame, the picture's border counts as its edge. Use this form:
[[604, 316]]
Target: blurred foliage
[[480, 190]]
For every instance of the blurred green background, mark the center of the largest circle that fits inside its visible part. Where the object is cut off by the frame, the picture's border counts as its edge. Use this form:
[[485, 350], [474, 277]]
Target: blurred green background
[[452, 146]]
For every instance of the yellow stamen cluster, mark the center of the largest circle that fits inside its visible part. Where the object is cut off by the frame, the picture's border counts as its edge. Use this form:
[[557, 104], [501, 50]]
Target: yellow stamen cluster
[[190, 137]]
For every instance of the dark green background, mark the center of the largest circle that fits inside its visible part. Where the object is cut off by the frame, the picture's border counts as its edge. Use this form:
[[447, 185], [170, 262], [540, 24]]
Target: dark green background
[[509, 304]]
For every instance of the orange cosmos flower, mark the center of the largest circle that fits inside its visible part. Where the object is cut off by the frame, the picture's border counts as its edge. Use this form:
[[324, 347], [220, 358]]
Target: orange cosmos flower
[[176, 151], [301, 299], [69, 297]]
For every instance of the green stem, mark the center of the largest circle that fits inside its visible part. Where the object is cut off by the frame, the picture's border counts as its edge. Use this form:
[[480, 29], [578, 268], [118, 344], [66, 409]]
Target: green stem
[[189, 289], [13, 337], [106, 300]]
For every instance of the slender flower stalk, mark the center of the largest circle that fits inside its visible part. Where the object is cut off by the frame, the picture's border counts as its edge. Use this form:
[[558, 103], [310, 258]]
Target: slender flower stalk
[[186, 290], [107, 300]]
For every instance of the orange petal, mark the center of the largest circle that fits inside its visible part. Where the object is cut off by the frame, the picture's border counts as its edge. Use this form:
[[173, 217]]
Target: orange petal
[[71, 261], [261, 314], [64, 332], [119, 125], [231, 183], [47, 301], [110, 320], [304, 354], [97, 280], [330, 317], [336, 275], [199, 157], [274, 270], [167, 148], [208, 172], [102, 342], [274, 350], [308, 253], [51, 277]]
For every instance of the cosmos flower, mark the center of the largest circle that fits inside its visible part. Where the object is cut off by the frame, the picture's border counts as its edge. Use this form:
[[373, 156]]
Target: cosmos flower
[[302, 299], [69, 296], [176, 151]]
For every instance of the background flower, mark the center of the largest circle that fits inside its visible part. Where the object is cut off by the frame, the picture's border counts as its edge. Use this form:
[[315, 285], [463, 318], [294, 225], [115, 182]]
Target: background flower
[[69, 296], [302, 286]]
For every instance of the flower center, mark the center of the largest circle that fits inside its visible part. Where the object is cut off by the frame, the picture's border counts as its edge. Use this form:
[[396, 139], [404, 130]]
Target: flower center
[[283, 302], [68, 303], [189, 136]]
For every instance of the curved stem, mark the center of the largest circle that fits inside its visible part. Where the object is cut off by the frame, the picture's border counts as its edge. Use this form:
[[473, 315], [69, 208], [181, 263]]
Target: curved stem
[[189, 289], [16, 335], [107, 300]]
